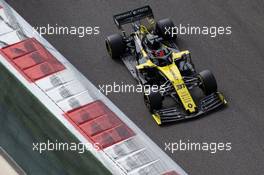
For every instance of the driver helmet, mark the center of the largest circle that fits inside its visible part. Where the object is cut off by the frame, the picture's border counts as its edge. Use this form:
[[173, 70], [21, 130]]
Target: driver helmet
[[160, 52]]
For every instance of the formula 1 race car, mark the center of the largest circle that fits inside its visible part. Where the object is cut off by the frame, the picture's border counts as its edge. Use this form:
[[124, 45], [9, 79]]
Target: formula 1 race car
[[153, 58]]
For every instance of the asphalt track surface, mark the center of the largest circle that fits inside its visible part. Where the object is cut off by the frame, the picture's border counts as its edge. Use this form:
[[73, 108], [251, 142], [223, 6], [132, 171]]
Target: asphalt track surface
[[237, 60]]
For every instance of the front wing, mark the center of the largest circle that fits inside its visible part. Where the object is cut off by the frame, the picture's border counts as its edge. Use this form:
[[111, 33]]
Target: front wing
[[207, 104]]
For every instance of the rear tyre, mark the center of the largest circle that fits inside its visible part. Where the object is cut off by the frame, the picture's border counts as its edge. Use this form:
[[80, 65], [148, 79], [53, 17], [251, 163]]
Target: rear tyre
[[115, 46], [153, 100], [208, 82], [161, 27]]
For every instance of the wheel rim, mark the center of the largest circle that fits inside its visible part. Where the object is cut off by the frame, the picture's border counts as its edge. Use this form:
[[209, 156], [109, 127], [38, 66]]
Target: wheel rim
[[108, 47], [147, 102], [202, 83]]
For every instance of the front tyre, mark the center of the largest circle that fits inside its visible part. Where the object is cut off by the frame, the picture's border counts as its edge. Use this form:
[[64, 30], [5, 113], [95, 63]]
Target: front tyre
[[115, 46], [208, 82], [153, 100]]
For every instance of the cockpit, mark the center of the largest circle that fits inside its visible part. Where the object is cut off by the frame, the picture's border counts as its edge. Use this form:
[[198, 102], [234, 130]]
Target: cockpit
[[158, 53], [161, 57]]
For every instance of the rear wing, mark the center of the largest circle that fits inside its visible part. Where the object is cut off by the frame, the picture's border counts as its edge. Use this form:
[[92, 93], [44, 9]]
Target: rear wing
[[132, 16]]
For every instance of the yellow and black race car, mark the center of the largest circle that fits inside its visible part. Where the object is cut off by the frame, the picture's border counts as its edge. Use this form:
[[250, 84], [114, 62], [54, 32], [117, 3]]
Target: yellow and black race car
[[153, 58]]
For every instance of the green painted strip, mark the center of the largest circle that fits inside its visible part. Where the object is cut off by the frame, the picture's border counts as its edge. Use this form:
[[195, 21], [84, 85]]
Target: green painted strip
[[24, 120]]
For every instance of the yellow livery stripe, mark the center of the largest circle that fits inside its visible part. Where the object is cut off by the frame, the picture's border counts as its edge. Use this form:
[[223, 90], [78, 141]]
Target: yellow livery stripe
[[173, 74]]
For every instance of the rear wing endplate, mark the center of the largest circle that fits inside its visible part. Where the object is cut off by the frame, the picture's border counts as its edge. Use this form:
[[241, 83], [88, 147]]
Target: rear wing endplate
[[133, 15]]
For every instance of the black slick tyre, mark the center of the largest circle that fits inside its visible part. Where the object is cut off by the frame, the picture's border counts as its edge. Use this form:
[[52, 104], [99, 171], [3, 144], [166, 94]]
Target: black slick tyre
[[208, 82], [153, 100], [164, 29], [115, 46]]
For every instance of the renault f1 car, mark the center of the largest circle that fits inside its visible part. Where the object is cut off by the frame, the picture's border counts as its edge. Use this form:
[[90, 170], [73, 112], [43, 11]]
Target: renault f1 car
[[152, 56]]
